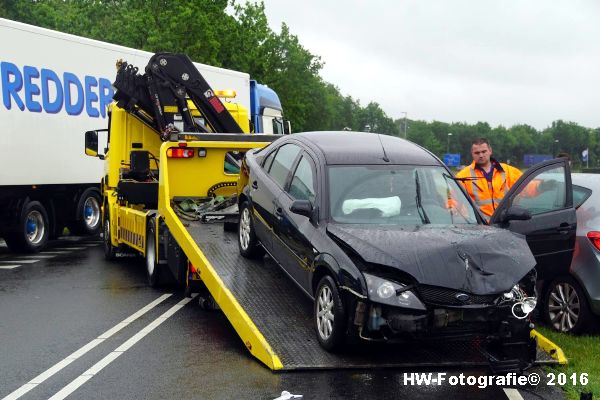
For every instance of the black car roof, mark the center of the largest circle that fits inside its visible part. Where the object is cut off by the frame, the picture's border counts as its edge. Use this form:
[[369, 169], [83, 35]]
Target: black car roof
[[366, 148]]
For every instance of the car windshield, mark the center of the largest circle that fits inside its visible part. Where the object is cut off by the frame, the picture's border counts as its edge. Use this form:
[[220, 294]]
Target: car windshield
[[396, 195]]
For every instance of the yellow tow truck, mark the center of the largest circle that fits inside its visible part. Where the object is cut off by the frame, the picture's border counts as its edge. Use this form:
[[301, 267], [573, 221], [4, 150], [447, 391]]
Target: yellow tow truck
[[172, 171], [140, 188]]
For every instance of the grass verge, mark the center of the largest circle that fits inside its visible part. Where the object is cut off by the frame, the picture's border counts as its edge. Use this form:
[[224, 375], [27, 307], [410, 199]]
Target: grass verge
[[583, 353]]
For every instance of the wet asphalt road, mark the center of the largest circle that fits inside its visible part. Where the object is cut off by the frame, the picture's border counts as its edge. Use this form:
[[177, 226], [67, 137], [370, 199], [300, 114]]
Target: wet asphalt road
[[70, 298]]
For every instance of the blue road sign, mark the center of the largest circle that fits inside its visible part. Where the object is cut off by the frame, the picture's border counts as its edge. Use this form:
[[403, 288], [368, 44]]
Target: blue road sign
[[452, 159]]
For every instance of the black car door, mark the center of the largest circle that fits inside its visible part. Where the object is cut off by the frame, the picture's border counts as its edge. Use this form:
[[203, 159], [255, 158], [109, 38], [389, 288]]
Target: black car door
[[545, 190], [293, 232], [266, 185]]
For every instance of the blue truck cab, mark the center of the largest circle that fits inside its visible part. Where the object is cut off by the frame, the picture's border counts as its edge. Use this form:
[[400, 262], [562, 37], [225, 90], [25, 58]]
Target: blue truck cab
[[266, 110]]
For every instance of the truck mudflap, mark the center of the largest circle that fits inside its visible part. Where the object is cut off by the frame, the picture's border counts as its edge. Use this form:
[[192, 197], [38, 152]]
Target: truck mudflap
[[268, 306]]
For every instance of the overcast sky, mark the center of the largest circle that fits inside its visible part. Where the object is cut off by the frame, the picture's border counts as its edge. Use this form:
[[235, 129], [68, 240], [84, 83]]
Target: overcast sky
[[503, 62]]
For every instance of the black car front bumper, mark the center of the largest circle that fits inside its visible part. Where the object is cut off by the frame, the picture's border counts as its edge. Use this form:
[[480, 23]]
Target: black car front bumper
[[503, 339]]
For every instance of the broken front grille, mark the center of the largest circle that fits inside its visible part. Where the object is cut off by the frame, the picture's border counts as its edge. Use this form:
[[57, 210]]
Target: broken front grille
[[451, 297]]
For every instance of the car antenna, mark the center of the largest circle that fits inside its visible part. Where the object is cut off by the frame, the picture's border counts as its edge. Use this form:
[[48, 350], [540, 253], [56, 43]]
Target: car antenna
[[385, 157]]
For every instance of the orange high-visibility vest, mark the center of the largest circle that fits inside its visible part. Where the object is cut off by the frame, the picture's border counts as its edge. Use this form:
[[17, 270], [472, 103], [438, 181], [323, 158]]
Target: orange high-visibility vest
[[486, 195]]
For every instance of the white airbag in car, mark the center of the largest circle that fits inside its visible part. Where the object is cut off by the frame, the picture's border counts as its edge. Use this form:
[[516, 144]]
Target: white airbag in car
[[389, 206]]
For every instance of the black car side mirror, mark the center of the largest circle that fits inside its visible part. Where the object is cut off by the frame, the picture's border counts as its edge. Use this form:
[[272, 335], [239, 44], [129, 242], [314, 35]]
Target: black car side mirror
[[516, 213], [302, 207]]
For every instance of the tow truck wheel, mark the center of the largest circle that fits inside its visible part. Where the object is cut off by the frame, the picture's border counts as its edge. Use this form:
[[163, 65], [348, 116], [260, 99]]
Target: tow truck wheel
[[152, 267], [34, 229], [565, 306], [330, 316], [110, 251], [247, 240]]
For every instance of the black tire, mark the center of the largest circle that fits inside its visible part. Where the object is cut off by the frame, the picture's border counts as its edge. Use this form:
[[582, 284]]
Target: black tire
[[11, 242], [34, 229], [248, 243], [56, 232], [110, 251], [330, 326], [566, 307], [152, 266], [88, 214]]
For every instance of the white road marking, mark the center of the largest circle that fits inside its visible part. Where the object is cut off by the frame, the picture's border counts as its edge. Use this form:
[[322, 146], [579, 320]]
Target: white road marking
[[71, 248], [81, 351], [513, 394], [55, 252], [9, 266], [20, 261], [89, 374], [90, 244]]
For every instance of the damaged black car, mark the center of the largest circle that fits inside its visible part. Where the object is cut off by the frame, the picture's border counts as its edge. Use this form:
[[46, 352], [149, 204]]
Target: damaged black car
[[378, 232]]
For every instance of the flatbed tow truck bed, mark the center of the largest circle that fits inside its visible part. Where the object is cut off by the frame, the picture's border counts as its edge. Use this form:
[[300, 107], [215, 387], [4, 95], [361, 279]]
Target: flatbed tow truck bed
[[281, 313]]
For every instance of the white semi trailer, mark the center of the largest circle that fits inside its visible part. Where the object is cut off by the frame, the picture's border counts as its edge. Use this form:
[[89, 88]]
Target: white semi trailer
[[54, 87]]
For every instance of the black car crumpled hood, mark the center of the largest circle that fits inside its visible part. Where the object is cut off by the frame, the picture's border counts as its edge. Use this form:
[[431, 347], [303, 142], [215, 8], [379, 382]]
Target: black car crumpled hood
[[437, 255]]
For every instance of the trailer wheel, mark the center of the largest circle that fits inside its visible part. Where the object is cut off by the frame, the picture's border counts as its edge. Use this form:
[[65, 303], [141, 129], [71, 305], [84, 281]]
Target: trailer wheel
[[247, 240], [329, 315], [152, 266], [34, 229], [88, 213], [110, 251]]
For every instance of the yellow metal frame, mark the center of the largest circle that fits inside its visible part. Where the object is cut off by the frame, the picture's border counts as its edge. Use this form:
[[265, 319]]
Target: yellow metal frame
[[550, 347], [248, 332], [131, 228], [127, 225]]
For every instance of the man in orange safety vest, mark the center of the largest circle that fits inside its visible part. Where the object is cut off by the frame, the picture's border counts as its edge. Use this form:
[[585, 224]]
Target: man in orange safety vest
[[487, 180]]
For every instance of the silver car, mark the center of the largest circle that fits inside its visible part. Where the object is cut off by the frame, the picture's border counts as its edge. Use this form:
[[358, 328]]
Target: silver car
[[572, 299]]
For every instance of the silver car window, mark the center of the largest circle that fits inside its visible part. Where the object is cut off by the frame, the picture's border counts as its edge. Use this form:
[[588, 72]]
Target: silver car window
[[302, 186], [282, 163]]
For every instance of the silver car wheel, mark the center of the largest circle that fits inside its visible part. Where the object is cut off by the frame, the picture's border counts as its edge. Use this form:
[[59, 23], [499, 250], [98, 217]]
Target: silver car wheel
[[564, 307], [245, 229], [35, 227], [324, 313]]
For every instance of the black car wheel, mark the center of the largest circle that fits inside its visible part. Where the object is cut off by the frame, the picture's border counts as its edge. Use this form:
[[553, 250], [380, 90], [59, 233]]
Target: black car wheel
[[330, 316], [565, 307], [110, 251], [247, 240], [152, 267]]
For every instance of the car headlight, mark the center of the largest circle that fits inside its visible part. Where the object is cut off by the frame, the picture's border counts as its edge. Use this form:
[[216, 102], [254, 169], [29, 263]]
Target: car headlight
[[388, 292], [522, 305]]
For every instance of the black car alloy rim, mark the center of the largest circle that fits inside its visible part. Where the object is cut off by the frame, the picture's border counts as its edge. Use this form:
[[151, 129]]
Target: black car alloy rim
[[324, 312], [245, 229]]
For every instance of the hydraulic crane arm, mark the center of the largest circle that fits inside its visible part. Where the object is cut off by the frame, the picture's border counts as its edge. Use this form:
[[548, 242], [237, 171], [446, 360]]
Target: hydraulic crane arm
[[169, 80]]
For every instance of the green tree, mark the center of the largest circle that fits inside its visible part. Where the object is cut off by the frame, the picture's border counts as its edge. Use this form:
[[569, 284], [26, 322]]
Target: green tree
[[208, 32]]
